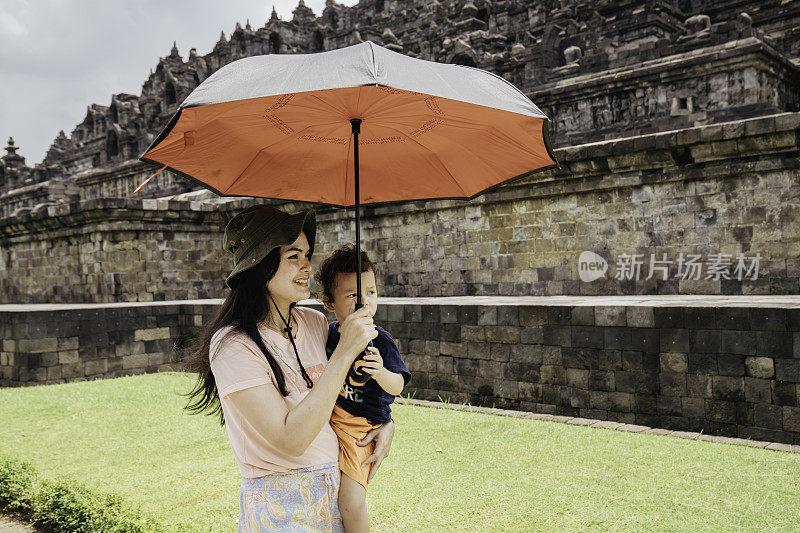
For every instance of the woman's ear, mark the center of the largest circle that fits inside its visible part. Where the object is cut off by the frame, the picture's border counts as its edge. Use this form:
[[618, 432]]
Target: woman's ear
[[327, 304]]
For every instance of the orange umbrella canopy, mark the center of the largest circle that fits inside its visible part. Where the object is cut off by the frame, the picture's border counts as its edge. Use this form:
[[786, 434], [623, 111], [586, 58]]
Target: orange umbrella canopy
[[278, 126]]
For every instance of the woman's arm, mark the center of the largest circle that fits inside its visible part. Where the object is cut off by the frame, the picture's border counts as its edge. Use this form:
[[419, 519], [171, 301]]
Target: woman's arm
[[292, 430]]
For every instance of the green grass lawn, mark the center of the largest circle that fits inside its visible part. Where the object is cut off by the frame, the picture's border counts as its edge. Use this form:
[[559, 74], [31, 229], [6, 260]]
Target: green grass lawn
[[448, 470]]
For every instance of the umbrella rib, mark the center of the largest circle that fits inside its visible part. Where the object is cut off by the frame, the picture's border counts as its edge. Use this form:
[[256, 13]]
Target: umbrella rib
[[436, 156]]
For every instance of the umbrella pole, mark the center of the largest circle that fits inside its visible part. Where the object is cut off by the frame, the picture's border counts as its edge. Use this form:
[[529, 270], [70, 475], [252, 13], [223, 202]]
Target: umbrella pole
[[356, 122]]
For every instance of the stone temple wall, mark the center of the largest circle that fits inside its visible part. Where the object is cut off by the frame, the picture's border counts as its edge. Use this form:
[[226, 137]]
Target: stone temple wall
[[732, 371], [726, 189]]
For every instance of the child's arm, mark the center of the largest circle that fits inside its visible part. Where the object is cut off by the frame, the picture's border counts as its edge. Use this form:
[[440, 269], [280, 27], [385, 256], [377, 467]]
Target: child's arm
[[389, 381]]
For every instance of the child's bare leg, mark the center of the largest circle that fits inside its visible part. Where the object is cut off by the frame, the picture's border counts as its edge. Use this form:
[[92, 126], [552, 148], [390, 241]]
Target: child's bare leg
[[353, 505]]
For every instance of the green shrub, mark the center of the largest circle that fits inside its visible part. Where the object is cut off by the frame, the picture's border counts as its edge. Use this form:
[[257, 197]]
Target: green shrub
[[65, 506], [16, 486]]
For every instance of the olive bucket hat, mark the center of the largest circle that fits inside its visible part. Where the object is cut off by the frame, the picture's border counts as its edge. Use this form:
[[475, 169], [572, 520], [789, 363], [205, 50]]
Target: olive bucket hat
[[256, 231]]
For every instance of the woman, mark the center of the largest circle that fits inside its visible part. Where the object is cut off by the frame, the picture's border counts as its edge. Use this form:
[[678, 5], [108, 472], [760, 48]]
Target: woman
[[262, 367]]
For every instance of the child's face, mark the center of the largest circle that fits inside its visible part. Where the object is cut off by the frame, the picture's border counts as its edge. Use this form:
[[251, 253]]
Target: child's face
[[344, 294]]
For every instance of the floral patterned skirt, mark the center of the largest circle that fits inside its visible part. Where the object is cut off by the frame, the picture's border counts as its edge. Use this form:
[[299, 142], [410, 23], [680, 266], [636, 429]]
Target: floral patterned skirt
[[300, 500]]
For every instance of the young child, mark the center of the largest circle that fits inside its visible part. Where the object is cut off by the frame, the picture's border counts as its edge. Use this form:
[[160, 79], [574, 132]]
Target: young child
[[360, 406]]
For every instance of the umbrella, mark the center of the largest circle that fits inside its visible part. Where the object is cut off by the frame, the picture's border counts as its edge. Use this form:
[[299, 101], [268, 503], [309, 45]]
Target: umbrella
[[290, 127]]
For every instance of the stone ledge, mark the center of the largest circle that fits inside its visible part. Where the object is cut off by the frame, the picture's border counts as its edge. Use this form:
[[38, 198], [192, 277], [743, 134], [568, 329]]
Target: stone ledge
[[604, 424], [775, 301]]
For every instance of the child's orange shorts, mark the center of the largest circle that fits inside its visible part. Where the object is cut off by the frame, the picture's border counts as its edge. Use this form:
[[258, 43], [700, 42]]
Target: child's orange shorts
[[351, 429]]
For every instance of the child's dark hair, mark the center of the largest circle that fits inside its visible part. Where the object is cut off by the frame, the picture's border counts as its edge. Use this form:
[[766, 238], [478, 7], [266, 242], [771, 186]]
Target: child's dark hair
[[342, 261]]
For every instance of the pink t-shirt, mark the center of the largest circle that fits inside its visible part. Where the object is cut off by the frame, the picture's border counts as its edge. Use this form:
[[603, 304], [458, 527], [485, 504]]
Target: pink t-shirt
[[238, 364]]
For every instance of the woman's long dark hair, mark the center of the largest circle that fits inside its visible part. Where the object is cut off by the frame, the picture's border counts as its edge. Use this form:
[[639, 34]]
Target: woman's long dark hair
[[246, 305]]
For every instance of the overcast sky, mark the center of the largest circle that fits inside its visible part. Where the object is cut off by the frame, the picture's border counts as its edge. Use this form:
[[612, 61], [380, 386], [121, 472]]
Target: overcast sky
[[59, 56]]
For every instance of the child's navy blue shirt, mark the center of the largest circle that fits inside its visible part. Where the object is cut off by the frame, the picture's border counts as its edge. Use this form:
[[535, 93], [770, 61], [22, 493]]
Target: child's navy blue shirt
[[370, 400]]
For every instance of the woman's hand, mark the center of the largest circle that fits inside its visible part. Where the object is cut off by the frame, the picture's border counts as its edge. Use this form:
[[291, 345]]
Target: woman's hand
[[356, 331], [383, 437]]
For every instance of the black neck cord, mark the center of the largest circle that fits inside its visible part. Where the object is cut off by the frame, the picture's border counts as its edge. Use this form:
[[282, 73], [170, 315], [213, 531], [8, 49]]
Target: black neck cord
[[288, 330]]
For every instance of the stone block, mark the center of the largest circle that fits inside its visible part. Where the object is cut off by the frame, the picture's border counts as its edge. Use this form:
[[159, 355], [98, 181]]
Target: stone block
[[640, 317], [731, 365], [473, 334], [9, 345], [601, 380], [575, 398], [452, 348], [527, 353], [609, 360], [582, 316], [757, 390], [503, 334], [732, 318], [68, 356], [96, 367], [522, 372], [506, 389], [625, 381], [53, 372], [668, 317], [444, 364], [587, 337], [448, 314], [760, 367], [648, 383], [787, 370], [644, 340], [704, 340], [700, 318], [728, 388], [702, 363], [500, 352], [768, 416], [785, 393], [478, 350], [151, 334], [775, 344], [737, 342], [552, 375], [508, 315], [632, 361], [672, 384], [557, 335], [533, 316], [769, 319], [791, 419], [674, 340], [720, 411], [48, 344], [490, 370], [669, 405], [693, 407], [599, 400], [579, 358], [616, 338], [134, 361], [610, 316], [72, 371], [578, 378], [621, 402], [487, 315], [674, 362], [531, 335], [552, 355]]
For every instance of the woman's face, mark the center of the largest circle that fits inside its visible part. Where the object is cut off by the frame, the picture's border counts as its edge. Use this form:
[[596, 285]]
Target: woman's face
[[290, 282]]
